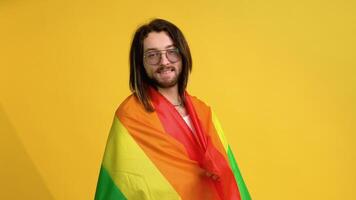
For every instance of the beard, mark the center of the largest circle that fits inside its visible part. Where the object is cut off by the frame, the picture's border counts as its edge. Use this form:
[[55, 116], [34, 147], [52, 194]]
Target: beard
[[161, 83], [164, 84]]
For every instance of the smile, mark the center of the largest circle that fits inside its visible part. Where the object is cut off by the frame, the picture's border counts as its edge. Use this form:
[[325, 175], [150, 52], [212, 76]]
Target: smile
[[165, 70]]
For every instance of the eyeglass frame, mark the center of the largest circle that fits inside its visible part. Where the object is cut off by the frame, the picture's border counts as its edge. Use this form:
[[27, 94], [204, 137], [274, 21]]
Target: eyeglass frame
[[160, 57]]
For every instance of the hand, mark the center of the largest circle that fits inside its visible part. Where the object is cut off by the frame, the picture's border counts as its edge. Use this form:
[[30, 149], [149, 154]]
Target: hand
[[212, 176]]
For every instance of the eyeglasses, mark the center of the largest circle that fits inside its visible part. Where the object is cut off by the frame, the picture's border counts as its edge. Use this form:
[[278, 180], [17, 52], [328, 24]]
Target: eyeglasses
[[154, 57]]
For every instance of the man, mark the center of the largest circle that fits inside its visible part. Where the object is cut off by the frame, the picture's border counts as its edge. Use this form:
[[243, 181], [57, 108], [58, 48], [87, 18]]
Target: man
[[164, 143]]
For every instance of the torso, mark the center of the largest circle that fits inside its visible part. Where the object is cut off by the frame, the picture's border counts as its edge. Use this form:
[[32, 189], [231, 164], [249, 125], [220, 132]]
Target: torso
[[181, 110]]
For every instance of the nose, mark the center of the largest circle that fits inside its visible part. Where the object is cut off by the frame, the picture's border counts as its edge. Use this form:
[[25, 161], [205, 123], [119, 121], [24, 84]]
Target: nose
[[164, 59]]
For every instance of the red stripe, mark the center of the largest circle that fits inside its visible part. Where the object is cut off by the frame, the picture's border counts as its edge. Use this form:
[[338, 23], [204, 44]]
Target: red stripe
[[174, 124], [198, 145]]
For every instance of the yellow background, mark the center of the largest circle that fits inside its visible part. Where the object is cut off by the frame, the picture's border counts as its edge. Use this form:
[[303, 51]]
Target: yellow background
[[280, 75]]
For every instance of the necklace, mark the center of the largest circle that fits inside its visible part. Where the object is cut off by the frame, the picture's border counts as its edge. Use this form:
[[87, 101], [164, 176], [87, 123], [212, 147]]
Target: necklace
[[178, 105]]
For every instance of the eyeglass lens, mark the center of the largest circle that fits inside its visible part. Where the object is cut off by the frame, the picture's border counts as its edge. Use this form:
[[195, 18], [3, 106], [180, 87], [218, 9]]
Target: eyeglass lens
[[154, 57]]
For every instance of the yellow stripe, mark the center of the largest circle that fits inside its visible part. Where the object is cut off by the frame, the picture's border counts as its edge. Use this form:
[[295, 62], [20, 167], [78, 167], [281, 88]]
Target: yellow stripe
[[131, 170], [220, 131]]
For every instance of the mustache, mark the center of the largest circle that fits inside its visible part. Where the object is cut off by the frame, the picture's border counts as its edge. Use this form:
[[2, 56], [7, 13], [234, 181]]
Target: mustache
[[164, 68]]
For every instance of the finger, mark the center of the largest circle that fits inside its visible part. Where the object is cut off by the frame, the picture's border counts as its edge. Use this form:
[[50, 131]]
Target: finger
[[215, 177], [208, 174]]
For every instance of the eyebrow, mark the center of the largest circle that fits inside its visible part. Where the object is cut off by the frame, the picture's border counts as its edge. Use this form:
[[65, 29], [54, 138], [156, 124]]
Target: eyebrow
[[155, 49]]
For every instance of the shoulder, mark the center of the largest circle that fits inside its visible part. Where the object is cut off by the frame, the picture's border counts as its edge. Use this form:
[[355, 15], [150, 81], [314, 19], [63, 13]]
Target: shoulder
[[200, 105], [196, 100], [130, 105]]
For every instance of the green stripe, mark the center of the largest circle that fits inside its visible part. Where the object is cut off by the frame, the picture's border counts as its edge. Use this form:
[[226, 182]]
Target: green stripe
[[240, 181], [106, 188]]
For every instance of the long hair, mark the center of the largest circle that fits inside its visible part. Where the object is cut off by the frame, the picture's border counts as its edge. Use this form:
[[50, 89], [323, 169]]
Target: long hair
[[139, 81]]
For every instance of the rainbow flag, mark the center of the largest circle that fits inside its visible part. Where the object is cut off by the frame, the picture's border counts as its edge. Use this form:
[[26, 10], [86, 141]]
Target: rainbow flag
[[157, 156]]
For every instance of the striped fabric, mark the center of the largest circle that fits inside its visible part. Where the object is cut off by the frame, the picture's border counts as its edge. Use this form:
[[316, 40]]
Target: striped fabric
[[156, 156]]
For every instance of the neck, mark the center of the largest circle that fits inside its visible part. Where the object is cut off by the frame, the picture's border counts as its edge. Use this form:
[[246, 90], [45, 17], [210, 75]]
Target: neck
[[171, 94]]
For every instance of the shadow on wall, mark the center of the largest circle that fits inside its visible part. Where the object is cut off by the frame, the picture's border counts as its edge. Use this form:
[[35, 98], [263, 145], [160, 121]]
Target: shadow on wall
[[19, 177]]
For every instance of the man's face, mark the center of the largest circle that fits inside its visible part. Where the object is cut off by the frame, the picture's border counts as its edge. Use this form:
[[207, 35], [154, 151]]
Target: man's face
[[166, 72]]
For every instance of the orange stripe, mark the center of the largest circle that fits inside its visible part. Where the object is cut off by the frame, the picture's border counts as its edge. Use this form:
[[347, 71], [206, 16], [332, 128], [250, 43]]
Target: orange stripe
[[229, 186], [205, 116], [131, 170], [169, 156]]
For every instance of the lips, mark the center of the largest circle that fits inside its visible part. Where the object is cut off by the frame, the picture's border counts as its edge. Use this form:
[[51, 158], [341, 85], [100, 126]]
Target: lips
[[165, 70], [166, 74]]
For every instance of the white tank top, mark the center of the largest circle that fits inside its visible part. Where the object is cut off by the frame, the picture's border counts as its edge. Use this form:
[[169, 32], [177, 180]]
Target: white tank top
[[188, 121]]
